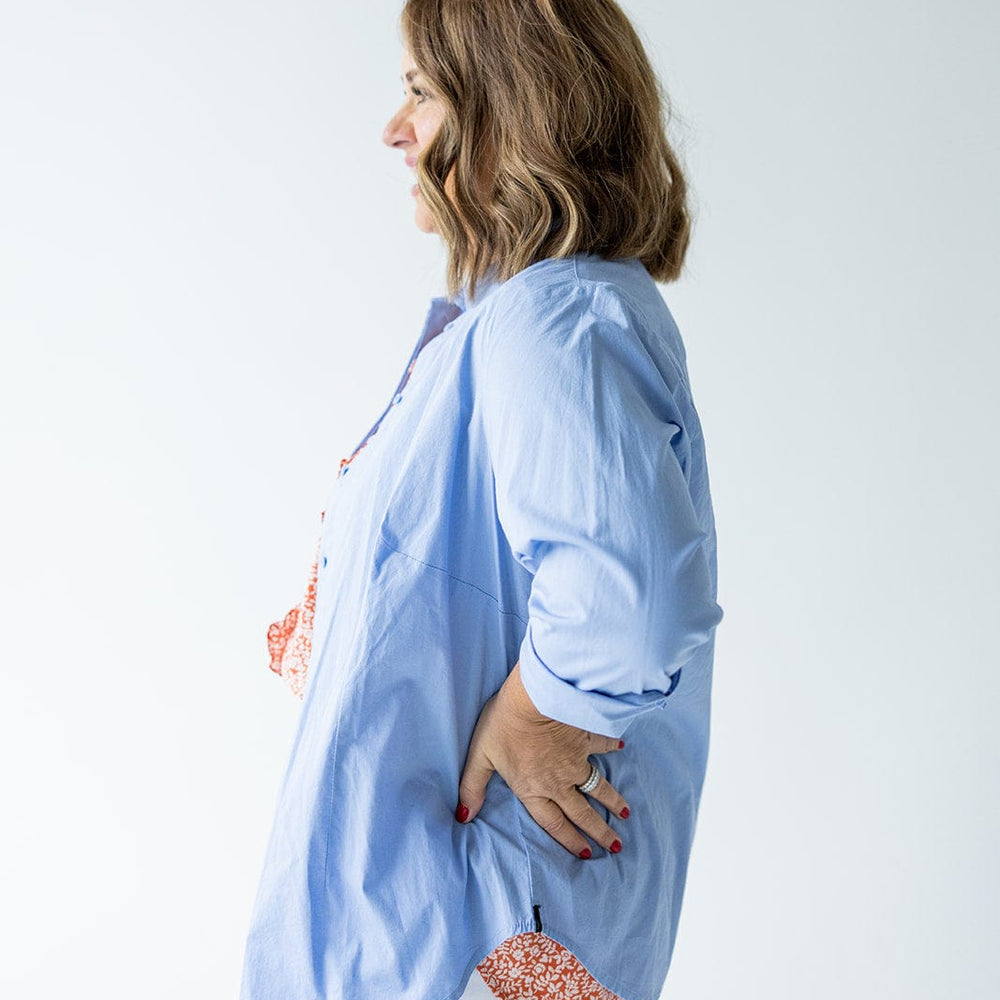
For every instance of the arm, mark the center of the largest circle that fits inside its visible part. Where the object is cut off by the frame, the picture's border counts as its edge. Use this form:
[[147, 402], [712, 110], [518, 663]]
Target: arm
[[586, 442]]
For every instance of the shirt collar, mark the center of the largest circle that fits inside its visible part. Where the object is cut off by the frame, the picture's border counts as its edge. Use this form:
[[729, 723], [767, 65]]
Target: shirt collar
[[489, 281], [486, 285]]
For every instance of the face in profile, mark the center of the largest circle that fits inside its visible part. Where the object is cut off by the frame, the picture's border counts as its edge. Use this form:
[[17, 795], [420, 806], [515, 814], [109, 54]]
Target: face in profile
[[412, 127]]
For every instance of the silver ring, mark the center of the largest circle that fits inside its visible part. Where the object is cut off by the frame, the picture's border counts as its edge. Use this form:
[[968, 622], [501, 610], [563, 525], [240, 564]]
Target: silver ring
[[591, 783]]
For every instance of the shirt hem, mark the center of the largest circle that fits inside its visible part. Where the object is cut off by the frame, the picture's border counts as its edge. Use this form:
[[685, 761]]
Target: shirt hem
[[621, 988], [519, 928]]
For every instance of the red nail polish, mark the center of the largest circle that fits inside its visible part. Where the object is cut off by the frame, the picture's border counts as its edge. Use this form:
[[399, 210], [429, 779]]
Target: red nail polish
[[621, 744], [616, 847], [624, 812], [462, 813], [585, 853]]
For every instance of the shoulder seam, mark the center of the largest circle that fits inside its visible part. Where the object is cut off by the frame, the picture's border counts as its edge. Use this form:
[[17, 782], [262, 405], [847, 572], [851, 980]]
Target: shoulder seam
[[634, 303]]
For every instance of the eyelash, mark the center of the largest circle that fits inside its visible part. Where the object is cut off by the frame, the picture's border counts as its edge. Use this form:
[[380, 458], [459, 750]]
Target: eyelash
[[419, 93]]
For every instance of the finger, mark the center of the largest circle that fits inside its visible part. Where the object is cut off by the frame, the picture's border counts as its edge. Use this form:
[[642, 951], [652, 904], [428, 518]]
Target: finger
[[472, 786], [580, 812], [603, 744], [553, 821], [605, 793]]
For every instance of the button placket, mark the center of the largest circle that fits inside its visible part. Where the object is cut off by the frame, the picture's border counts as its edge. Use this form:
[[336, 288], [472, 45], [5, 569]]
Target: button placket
[[442, 311]]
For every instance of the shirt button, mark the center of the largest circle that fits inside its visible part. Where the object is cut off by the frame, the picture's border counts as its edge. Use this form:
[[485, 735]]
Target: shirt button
[[324, 562], [398, 398]]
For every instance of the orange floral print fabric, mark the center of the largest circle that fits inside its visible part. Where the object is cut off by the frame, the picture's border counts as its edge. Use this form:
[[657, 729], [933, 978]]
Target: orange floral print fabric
[[289, 641], [533, 966]]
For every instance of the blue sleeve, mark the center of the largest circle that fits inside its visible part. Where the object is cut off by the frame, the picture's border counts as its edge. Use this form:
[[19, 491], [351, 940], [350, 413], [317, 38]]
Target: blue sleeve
[[583, 434]]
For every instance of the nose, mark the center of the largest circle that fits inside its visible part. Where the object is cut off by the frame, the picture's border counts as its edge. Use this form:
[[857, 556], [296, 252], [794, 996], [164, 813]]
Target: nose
[[399, 130]]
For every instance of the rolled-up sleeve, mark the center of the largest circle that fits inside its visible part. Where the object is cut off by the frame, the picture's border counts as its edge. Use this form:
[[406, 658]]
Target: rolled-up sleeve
[[587, 444]]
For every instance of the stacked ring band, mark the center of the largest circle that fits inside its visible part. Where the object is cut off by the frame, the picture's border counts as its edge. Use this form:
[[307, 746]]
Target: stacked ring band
[[591, 783]]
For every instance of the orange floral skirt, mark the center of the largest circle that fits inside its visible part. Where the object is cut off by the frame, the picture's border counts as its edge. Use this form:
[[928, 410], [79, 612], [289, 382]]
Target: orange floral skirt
[[532, 966], [527, 966]]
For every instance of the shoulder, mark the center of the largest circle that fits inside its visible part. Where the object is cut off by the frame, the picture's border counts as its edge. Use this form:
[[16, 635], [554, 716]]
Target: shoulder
[[558, 301], [575, 331], [578, 306]]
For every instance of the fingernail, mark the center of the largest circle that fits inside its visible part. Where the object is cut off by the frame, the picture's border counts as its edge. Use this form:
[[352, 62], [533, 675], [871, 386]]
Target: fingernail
[[621, 744], [616, 847], [462, 813], [624, 813], [585, 853]]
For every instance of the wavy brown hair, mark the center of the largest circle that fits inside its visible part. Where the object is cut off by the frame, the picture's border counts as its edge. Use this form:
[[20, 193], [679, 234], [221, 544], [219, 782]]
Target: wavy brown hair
[[553, 139]]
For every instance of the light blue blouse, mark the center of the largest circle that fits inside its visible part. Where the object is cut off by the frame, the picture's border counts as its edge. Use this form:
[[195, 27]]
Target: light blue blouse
[[536, 490]]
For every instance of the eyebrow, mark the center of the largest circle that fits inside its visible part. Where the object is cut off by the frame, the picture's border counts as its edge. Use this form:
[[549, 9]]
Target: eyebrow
[[410, 74]]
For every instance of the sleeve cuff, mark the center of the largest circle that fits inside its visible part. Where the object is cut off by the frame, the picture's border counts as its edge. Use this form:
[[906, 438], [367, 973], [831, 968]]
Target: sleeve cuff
[[593, 711]]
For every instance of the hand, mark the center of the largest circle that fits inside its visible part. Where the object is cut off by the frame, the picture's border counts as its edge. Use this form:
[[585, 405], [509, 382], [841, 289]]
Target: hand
[[542, 760]]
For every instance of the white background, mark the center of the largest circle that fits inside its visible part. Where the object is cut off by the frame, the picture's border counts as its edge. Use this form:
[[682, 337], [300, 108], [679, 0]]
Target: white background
[[210, 282]]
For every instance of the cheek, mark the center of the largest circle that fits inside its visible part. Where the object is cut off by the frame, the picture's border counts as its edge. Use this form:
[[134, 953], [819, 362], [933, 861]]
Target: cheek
[[428, 127]]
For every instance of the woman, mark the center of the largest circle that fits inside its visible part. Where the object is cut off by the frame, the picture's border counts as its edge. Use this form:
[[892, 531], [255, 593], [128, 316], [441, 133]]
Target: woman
[[516, 561]]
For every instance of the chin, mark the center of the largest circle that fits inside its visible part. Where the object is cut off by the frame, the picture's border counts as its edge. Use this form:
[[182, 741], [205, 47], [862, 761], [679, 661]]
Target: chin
[[423, 220]]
